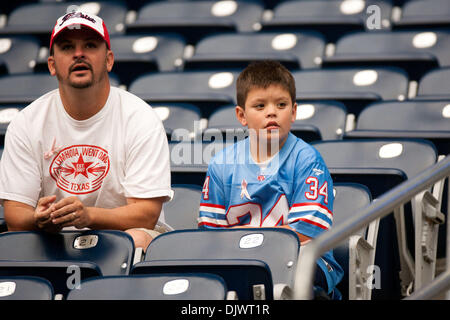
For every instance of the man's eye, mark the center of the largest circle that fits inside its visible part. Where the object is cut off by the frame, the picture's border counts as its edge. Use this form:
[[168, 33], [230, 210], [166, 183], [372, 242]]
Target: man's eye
[[67, 47], [91, 45]]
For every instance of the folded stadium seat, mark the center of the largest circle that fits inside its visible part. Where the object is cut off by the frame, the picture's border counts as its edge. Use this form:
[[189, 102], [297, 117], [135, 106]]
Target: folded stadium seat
[[67, 257], [417, 52], [39, 18], [424, 119], [236, 50], [18, 54], [355, 87], [331, 18], [25, 88], [256, 263], [196, 19], [206, 89], [182, 211], [316, 120], [152, 287], [382, 164], [433, 85], [180, 120], [136, 55], [25, 288], [348, 199], [7, 113], [189, 159], [423, 14]]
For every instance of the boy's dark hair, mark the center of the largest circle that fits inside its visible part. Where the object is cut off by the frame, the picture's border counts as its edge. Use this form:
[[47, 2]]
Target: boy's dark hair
[[262, 74]]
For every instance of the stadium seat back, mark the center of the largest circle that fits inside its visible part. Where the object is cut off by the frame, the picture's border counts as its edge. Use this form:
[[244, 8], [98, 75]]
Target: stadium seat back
[[152, 287], [25, 288]]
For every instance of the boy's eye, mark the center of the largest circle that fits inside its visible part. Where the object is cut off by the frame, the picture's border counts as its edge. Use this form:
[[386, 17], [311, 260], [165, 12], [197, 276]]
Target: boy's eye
[[259, 106]]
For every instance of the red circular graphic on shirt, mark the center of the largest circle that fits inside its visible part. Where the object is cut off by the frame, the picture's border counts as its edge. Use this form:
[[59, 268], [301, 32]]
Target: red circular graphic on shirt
[[80, 169]]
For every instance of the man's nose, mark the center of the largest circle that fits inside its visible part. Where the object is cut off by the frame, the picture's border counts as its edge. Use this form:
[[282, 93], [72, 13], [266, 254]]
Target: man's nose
[[79, 52]]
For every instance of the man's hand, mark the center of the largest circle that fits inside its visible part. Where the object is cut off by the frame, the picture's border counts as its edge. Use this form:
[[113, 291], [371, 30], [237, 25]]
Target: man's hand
[[42, 214], [70, 212]]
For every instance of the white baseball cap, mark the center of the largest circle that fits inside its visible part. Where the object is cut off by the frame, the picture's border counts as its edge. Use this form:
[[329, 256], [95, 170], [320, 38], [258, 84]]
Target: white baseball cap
[[76, 19]]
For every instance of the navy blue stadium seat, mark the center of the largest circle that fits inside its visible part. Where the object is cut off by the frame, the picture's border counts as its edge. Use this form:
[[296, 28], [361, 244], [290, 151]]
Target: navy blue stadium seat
[[25, 288], [189, 159], [380, 164], [238, 255], [406, 119], [39, 18], [139, 54], [7, 113], [180, 120], [417, 52], [195, 19], [182, 211], [152, 287], [433, 85], [3, 226], [424, 14], [348, 199], [25, 88], [355, 87], [18, 54], [58, 256], [332, 18], [206, 89], [236, 50]]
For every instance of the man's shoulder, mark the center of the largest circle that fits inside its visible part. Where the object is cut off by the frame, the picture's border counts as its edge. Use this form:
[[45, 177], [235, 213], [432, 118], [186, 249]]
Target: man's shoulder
[[129, 98]]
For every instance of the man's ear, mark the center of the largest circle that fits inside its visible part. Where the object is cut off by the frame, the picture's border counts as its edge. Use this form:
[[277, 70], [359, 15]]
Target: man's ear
[[109, 60], [51, 65], [240, 115]]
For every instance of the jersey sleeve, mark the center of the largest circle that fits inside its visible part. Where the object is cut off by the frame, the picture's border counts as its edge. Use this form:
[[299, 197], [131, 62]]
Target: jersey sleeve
[[20, 178], [311, 211], [212, 213]]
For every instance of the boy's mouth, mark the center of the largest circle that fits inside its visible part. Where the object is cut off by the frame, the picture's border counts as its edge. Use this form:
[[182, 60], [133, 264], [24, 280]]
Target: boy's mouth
[[272, 125]]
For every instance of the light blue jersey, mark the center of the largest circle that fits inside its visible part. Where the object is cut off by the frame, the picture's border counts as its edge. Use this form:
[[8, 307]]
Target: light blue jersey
[[295, 188]]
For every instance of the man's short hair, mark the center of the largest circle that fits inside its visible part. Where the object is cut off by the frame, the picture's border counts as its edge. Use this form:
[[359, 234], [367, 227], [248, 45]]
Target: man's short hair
[[263, 74]]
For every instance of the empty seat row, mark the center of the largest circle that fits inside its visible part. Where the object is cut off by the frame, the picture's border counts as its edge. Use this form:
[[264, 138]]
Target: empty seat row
[[355, 87], [417, 52], [195, 19]]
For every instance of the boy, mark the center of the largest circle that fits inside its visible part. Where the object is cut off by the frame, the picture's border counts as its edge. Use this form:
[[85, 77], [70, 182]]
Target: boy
[[272, 178]]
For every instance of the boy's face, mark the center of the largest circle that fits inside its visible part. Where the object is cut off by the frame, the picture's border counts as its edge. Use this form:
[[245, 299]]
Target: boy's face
[[268, 111]]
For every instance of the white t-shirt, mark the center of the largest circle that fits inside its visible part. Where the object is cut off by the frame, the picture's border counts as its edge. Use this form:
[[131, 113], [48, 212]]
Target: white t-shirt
[[120, 152]]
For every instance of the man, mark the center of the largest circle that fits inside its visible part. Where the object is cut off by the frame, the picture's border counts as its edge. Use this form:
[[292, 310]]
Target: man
[[85, 155]]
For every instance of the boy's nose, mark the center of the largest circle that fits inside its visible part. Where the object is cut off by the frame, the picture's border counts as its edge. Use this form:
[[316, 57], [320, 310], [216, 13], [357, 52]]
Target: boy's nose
[[271, 110]]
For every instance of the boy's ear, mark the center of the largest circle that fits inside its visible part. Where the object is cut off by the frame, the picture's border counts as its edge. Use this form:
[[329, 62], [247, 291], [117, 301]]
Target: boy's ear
[[240, 115], [294, 112]]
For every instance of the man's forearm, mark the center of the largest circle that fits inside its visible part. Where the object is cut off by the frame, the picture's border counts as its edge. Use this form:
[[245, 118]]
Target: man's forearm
[[132, 215]]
